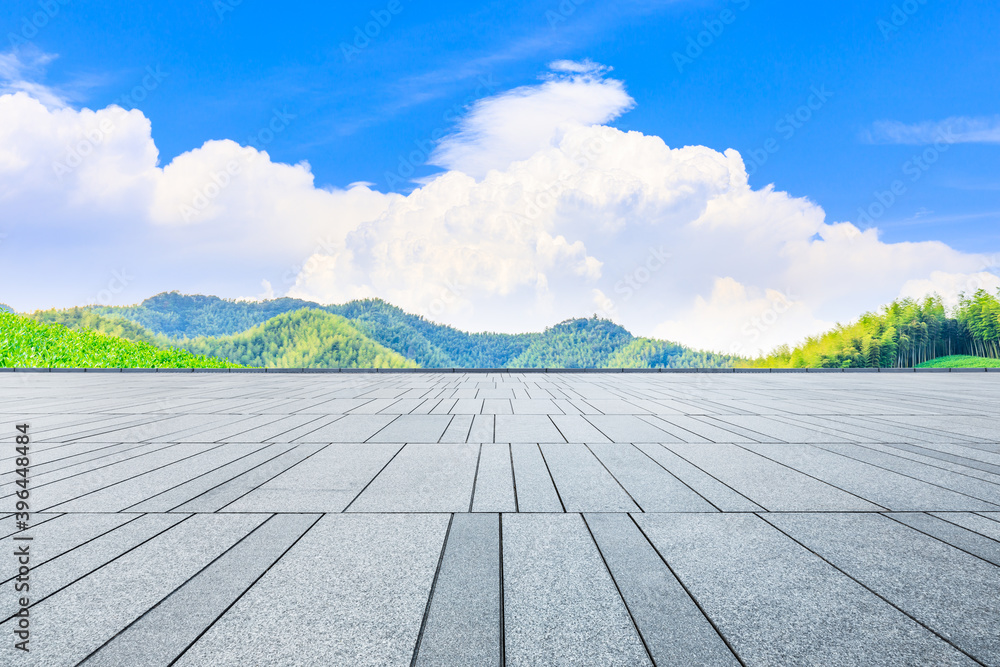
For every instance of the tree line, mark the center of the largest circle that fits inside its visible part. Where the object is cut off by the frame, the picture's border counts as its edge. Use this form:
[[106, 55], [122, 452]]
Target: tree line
[[903, 334]]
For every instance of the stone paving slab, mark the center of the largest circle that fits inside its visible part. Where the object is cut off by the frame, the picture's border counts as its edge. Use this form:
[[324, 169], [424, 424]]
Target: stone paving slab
[[499, 518]]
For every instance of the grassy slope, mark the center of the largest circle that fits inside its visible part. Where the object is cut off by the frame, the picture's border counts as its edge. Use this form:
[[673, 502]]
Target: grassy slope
[[301, 339], [26, 343], [961, 361]]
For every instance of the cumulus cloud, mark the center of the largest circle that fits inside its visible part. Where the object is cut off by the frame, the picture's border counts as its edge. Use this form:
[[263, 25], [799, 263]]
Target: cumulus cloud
[[545, 212], [955, 130], [515, 124]]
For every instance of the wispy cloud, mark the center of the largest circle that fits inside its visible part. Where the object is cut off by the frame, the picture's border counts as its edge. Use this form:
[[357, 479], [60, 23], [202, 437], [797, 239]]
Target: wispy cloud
[[954, 130], [20, 71]]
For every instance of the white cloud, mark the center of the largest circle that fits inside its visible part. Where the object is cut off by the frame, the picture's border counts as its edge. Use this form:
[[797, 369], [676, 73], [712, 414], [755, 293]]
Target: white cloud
[[955, 130], [515, 124], [545, 214], [19, 72], [950, 286]]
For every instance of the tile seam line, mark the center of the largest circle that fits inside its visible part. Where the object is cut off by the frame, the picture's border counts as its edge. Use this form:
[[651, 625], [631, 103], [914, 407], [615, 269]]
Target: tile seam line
[[744, 435], [131, 424], [551, 478], [628, 610], [936, 514], [263, 446], [106, 563], [278, 435], [686, 430], [175, 590], [209, 490], [698, 467], [813, 477], [922, 430], [304, 458], [503, 607], [614, 477], [64, 458], [513, 477], [688, 486], [940, 539], [374, 477], [298, 440], [878, 595], [556, 427], [916, 479], [51, 518], [475, 478], [78, 546], [689, 593], [989, 518], [937, 454], [430, 594], [127, 479], [867, 446]]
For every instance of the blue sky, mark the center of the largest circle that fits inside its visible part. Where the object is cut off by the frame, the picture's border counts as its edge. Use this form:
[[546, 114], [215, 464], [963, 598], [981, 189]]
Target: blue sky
[[230, 65], [873, 84]]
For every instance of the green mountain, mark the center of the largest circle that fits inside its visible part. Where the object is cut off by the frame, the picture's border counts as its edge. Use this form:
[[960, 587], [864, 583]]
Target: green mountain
[[303, 339], [27, 343], [903, 334], [191, 321]]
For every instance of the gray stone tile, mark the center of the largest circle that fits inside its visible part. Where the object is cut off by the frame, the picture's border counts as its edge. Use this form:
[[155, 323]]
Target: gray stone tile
[[628, 428], [773, 486], [160, 636], [560, 604], [718, 494], [532, 482], [220, 496], [128, 492], [893, 459], [526, 428], [647, 482], [423, 478], [984, 523], [779, 604], [196, 485], [497, 406], [414, 428], [348, 429], [674, 629], [463, 621], [883, 487], [53, 538], [226, 432], [696, 430], [574, 428], [458, 429], [494, 480], [954, 593], [584, 484], [326, 482], [945, 528], [65, 624], [360, 585], [482, 430]]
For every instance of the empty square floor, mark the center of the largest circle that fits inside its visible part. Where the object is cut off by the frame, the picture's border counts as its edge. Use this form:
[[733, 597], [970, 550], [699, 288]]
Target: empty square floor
[[502, 519]]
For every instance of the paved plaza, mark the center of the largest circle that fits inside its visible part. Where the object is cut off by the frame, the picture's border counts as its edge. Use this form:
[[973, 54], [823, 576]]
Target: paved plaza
[[505, 518]]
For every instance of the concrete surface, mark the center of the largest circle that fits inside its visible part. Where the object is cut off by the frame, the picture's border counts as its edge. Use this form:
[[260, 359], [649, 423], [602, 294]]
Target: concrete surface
[[503, 518]]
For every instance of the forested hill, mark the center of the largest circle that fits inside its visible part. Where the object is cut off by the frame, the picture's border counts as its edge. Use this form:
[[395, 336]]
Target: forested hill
[[189, 321], [905, 333]]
